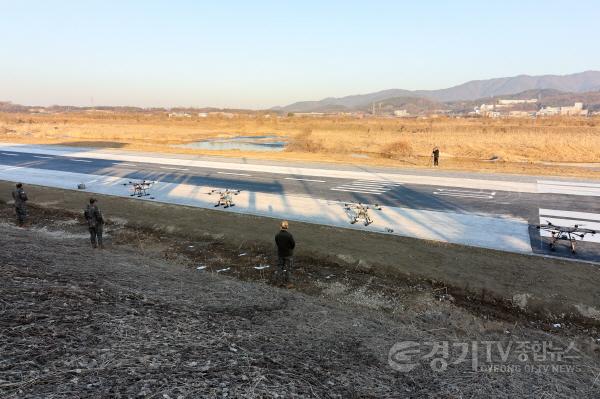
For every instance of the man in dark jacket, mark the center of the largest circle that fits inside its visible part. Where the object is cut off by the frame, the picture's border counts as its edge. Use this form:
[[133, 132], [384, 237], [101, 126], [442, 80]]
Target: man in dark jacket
[[21, 199], [285, 254], [95, 221], [436, 156]]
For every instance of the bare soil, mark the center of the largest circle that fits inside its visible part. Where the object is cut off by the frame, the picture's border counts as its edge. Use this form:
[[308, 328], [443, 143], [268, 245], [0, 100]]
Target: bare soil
[[552, 289], [139, 319]]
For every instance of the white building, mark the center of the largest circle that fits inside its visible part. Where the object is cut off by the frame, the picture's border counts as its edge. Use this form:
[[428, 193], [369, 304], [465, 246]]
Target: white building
[[401, 113], [179, 115], [574, 110]]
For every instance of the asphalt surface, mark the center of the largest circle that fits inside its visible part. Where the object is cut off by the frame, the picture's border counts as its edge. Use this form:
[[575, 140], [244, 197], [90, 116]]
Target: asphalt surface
[[416, 196]]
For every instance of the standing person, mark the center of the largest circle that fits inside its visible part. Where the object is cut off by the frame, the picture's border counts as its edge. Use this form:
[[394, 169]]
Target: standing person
[[21, 199], [285, 254], [436, 156], [95, 221]]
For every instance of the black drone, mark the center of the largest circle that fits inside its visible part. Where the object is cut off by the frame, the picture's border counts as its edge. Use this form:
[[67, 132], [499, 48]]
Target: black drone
[[571, 234], [140, 188]]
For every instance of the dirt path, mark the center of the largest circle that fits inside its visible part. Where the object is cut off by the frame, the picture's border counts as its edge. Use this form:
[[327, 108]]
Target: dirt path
[[140, 320]]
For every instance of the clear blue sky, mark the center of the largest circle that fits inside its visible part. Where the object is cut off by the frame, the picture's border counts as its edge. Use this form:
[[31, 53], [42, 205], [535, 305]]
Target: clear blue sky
[[258, 54]]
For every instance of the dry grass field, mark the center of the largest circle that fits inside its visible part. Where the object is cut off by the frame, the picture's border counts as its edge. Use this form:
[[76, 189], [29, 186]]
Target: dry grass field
[[540, 146]]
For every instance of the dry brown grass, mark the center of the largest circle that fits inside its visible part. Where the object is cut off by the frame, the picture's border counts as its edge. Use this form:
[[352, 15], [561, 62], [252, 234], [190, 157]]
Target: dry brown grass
[[516, 145]]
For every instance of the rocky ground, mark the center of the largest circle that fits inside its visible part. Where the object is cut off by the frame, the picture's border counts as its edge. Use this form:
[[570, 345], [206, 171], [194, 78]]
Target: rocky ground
[[158, 317]]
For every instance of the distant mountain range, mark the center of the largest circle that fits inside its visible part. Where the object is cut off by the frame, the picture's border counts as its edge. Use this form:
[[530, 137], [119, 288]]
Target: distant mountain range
[[583, 82]]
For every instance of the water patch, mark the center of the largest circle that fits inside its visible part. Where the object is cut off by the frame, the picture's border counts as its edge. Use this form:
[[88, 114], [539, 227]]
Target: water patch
[[241, 143]]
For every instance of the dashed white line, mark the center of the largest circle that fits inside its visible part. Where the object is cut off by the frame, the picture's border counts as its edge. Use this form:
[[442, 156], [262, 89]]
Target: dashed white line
[[235, 174], [80, 160], [169, 168], [124, 164], [464, 193], [366, 187], [377, 189], [313, 180], [42, 157], [10, 155], [357, 191]]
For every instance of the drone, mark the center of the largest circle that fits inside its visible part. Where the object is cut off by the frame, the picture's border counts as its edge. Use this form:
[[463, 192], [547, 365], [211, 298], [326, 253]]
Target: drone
[[570, 234], [358, 211], [140, 188], [225, 197]]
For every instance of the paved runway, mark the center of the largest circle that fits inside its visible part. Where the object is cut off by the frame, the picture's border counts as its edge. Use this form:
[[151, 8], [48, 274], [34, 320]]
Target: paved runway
[[496, 196]]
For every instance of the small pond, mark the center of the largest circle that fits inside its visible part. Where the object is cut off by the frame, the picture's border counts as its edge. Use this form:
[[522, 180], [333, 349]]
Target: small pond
[[241, 143]]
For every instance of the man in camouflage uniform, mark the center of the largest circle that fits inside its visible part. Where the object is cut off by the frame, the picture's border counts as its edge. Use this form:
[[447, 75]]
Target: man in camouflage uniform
[[95, 221], [20, 198]]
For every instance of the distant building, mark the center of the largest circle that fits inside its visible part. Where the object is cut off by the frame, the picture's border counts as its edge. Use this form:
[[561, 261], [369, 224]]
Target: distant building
[[549, 111], [574, 110], [487, 110], [228, 115], [38, 110], [401, 113], [514, 102], [202, 114], [520, 114], [317, 114], [179, 115]]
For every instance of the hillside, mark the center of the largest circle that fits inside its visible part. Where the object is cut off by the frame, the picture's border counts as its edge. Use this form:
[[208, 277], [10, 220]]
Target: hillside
[[477, 89]]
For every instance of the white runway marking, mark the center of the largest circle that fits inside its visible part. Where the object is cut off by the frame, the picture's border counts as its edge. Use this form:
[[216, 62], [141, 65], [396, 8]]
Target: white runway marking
[[316, 181], [235, 174], [584, 220], [366, 187], [42, 157], [124, 164], [170, 168], [465, 193], [357, 191], [80, 160], [10, 155], [568, 187], [571, 214]]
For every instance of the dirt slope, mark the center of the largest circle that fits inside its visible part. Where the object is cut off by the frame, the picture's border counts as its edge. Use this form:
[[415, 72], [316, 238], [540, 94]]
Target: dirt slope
[[139, 320]]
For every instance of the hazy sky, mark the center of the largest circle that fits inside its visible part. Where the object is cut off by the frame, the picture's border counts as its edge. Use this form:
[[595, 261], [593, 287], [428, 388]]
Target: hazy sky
[[256, 54]]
